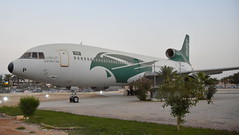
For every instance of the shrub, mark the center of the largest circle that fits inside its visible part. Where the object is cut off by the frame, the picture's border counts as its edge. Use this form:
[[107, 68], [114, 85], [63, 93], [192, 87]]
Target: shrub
[[28, 105], [142, 86]]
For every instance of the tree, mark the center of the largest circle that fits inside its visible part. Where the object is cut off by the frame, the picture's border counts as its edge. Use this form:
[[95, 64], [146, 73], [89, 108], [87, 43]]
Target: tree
[[225, 81], [142, 87], [180, 93], [235, 78], [201, 78], [231, 79], [167, 73], [210, 84]]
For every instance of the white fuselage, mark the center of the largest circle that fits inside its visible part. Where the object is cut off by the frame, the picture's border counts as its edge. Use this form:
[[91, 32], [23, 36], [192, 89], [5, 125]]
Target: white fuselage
[[80, 65]]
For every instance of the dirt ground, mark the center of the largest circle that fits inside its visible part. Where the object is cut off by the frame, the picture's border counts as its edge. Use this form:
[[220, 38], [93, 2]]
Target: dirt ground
[[9, 125]]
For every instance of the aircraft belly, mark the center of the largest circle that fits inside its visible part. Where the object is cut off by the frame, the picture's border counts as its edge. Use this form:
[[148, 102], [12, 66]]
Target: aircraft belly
[[96, 77]]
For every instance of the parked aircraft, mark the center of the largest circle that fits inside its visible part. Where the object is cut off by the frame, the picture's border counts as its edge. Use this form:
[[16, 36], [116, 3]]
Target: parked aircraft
[[81, 65]]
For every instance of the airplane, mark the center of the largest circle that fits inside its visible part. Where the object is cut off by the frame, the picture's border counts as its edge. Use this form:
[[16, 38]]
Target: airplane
[[81, 65]]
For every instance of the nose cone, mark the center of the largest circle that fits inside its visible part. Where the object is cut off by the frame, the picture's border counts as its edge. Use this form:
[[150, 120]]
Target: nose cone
[[10, 67]]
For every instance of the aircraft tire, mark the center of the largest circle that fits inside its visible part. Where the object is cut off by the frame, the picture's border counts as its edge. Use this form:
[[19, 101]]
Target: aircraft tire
[[71, 99], [75, 99]]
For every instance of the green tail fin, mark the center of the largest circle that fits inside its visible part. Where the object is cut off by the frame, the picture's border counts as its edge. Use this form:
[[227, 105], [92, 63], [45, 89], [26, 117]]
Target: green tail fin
[[185, 48], [180, 55]]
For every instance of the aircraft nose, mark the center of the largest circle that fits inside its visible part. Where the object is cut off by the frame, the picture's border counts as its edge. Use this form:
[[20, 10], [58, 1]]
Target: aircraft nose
[[10, 67]]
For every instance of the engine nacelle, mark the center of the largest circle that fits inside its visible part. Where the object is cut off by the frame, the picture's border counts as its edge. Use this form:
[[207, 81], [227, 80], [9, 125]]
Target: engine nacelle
[[172, 53]]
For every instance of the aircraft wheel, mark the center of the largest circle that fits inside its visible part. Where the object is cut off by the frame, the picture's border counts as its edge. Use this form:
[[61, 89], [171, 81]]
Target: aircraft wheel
[[71, 99], [75, 99]]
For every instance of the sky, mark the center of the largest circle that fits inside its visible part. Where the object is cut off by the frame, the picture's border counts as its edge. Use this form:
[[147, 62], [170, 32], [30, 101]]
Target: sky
[[147, 27]]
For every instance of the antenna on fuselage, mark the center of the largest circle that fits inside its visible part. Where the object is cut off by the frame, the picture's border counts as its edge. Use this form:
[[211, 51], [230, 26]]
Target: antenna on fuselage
[[81, 43]]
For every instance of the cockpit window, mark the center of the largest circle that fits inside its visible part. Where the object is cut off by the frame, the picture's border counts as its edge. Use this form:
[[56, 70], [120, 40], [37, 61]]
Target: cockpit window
[[41, 55], [26, 55], [33, 55]]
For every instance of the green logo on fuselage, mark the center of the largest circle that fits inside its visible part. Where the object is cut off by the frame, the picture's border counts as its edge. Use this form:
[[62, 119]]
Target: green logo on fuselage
[[121, 66]]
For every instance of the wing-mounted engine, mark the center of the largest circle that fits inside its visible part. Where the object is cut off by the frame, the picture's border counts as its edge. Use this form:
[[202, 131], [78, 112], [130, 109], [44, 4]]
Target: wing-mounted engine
[[180, 55]]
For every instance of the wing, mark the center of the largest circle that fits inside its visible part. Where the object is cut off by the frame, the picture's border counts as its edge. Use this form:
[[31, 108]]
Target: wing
[[151, 75], [212, 71]]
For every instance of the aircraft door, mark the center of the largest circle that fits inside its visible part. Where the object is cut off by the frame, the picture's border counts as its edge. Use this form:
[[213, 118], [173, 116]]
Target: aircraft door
[[64, 58]]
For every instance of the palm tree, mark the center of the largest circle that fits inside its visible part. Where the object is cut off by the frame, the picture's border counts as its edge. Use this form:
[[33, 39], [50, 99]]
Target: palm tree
[[202, 77], [235, 79], [225, 81], [209, 84], [167, 73]]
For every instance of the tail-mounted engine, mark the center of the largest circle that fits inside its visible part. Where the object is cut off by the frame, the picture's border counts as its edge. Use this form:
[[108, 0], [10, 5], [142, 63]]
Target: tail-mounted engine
[[171, 53], [180, 55]]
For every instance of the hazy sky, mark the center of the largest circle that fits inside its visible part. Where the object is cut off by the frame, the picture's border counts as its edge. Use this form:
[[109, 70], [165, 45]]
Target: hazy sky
[[147, 27]]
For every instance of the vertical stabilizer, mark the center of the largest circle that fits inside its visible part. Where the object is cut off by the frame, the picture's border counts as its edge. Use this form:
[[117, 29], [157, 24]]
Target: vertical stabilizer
[[185, 47]]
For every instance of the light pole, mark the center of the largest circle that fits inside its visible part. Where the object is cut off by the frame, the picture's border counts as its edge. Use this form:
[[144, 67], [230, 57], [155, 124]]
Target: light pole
[[154, 76]]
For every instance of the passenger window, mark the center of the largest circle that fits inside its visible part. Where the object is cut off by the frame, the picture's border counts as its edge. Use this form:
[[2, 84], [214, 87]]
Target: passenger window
[[41, 55]]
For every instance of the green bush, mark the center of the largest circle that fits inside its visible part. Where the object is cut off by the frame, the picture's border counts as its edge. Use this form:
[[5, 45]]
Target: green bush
[[28, 105], [142, 87], [141, 94]]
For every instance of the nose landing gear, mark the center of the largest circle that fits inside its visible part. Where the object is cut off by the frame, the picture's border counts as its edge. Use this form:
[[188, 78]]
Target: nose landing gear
[[74, 98]]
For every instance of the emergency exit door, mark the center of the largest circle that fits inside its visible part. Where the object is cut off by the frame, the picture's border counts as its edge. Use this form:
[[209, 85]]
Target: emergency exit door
[[64, 58]]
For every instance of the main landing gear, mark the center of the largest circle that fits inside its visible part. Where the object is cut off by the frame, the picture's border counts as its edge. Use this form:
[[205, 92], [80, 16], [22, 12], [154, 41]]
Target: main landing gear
[[73, 98]]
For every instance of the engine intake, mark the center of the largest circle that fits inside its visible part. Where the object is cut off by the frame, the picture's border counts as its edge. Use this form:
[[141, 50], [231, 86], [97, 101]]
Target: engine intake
[[170, 53]]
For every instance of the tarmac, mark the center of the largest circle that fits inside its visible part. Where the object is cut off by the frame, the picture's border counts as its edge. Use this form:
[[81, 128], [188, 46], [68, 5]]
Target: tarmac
[[222, 114]]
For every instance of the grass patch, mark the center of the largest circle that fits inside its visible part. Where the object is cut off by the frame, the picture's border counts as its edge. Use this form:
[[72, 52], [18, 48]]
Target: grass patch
[[13, 111], [20, 128], [106, 126]]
